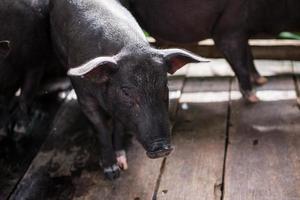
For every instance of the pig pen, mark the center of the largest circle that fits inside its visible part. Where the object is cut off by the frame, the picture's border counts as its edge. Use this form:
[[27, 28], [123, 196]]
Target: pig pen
[[224, 148]]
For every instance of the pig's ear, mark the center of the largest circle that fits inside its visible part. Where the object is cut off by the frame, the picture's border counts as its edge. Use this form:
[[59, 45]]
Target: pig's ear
[[177, 58], [4, 48], [96, 70]]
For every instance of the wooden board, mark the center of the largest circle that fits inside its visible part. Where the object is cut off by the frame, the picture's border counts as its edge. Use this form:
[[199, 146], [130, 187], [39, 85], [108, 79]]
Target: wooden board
[[262, 49], [274, 67], [175, 85], [194, 170], [296, 66], [216, 67], [264, 146], [219, 67], [17, 151]]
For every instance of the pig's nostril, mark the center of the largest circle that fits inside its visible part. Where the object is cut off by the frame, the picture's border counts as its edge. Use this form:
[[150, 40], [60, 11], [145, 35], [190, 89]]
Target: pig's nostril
[[159, 146], [159, 149]]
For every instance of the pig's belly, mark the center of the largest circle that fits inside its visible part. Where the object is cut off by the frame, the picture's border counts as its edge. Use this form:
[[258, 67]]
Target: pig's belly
[[186, 35], [181, 22]]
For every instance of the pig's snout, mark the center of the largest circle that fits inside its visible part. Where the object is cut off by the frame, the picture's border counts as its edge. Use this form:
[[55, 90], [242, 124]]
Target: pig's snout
[[159, 149]]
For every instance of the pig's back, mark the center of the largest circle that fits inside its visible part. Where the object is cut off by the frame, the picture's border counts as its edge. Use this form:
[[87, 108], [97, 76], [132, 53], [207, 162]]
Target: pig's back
[[93, 28]]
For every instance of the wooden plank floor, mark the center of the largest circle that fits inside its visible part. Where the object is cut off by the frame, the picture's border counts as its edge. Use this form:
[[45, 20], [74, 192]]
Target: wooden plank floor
[[224, 148], [264, 146]]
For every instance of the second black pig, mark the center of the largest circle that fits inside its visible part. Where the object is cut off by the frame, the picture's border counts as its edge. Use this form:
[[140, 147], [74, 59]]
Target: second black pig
[[229, 22], [116, 74]]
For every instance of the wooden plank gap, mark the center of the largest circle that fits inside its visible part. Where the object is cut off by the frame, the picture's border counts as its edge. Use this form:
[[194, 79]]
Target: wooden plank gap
[[228, 123], [297, 84], [162, 169], [173, 122]]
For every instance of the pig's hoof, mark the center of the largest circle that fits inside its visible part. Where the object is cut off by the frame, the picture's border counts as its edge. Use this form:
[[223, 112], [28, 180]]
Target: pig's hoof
[[261, 80], [112, 172], [20, 128], [251, 97], [122, 159]]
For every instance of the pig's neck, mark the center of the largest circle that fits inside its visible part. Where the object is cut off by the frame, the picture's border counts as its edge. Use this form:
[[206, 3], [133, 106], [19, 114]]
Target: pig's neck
[[125, 29]]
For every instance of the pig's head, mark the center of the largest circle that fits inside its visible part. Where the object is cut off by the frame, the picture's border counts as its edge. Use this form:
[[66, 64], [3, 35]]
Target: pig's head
[[137, 91]]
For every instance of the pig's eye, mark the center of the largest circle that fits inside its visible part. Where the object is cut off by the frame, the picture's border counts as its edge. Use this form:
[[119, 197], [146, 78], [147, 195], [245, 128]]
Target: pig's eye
[[125, 92], [127, 97]]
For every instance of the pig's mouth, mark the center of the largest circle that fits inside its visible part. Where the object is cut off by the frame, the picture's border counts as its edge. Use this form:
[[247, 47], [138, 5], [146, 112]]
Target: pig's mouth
[[159, 149]]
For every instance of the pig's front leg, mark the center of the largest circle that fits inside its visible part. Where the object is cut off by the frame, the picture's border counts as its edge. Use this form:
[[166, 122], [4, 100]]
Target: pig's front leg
[[29, 89], [118, 142], [96, 115]]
